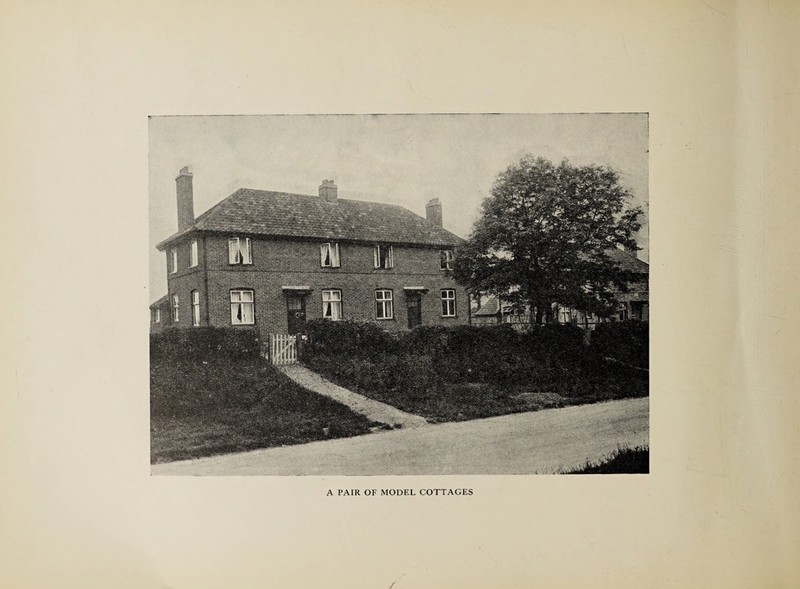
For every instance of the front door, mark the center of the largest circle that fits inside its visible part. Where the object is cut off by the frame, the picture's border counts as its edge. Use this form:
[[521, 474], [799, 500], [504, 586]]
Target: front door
[[414, 307], [296, 305]]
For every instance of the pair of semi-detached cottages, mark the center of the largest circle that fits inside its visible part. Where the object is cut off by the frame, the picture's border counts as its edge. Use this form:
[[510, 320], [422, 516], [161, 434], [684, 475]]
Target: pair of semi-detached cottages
[[273, 260]]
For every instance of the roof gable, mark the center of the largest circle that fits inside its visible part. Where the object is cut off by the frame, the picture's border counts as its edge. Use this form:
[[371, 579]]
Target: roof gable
[[281, 214]]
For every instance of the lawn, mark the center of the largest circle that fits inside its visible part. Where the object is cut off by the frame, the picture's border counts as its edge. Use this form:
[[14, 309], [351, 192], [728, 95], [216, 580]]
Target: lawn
[[201, 408]]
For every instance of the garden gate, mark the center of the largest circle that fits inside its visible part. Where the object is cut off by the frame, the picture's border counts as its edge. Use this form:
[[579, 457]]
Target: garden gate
[[282, 348]]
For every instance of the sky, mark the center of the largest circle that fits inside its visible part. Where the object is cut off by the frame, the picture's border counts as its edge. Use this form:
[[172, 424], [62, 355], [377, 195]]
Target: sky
[[398, 159]]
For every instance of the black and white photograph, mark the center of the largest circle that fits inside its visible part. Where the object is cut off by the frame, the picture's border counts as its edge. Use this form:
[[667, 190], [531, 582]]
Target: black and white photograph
[[307, 294], [442, 294]]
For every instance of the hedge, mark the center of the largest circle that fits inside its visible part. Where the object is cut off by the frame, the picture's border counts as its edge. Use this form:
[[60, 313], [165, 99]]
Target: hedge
[[625, 341], [204, 343]]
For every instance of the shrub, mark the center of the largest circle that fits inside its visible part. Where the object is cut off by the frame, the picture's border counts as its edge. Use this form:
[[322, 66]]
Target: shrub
[[626, 341], [347, 338], [204, 343]]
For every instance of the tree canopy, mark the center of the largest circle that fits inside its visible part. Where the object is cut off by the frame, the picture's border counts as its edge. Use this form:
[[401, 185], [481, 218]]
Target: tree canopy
[[544, 236]]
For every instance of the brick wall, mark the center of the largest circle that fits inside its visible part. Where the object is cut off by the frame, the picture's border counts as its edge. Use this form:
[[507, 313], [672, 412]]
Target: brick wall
[[284, 262]]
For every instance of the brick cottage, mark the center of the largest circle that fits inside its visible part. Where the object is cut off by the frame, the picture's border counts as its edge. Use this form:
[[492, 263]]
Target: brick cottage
[[274, 260]]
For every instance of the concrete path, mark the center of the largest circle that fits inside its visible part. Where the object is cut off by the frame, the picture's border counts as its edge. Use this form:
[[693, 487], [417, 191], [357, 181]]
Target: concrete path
[[524, 443], [370, 408]]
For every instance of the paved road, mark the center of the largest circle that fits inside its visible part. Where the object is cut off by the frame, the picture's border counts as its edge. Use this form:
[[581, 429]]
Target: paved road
[[524, 443]]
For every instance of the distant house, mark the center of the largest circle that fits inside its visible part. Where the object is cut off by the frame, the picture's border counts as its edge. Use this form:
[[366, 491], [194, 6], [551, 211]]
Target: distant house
[[159, 312], [633, 305], [274, 260]]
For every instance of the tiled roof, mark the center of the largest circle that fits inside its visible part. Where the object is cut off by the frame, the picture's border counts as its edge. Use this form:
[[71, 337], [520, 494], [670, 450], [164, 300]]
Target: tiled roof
[[159, 302], [628, 261], [280, 214], [490, 308]]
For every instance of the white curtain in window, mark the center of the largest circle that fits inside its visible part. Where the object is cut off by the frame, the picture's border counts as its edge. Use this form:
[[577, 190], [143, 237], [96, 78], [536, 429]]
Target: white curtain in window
[[332, 304], [233, 250]]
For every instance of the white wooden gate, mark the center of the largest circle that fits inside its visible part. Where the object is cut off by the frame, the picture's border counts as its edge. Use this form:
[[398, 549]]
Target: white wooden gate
[[282, 348]]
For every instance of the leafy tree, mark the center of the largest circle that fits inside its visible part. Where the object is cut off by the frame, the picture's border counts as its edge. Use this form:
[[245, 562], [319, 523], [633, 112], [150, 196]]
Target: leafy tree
[[544, 235]]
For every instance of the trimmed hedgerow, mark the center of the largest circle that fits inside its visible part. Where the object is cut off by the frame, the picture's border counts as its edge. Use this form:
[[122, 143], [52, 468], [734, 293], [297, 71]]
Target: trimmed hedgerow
[[422, 371], [625, 341], [204, 343]]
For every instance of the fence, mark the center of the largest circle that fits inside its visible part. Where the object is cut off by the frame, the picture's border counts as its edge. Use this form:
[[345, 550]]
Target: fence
[[282, 348]]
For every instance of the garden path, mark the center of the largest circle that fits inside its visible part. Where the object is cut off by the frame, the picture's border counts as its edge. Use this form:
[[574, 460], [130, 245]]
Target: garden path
[[370, 408]]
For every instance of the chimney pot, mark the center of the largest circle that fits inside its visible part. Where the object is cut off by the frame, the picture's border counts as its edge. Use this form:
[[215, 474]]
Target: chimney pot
[[328, 191], [185, 199], [433, 211]]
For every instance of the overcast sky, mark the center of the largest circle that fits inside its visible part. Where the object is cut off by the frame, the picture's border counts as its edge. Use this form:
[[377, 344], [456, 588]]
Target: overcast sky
[[398, 159]]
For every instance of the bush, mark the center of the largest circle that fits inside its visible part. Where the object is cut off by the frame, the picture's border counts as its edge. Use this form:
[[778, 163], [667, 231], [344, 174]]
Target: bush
[[204, 343], [347, 338], [626, 341]]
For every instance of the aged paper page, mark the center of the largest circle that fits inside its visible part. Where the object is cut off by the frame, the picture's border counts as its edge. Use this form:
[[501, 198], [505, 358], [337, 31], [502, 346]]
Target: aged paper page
[[720, 83]]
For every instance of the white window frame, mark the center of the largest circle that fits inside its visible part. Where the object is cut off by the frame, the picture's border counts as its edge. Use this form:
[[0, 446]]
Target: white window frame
[[388, 258], [173, 255], [446, 259], [329, 255], [240, 251], [332, 304], [384, 304], [193, 254], [195, 308], [239, 307], [176, 306], [448, 302], [157, 315]]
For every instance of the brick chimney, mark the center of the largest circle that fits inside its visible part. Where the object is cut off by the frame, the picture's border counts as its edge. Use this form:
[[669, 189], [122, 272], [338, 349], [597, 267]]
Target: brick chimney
[[328, 191], [185, 199], [433, 211]]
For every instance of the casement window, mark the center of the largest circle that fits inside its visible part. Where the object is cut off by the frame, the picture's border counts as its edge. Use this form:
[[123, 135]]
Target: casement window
[[242, 307], [329, 255], [157, 315], [384, 256], [446, 259], [332, 304], [193, 254], [195, 308], [173, 260], [175, 308], [239, 251], [448, 302], [384, 308]]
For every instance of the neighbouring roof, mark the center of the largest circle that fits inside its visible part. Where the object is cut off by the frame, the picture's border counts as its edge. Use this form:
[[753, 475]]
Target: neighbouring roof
[[281, 214], [159, 302], [488, 309], [628, 261]]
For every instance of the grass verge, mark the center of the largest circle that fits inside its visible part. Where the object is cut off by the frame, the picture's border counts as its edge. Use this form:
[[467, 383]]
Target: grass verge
[[623, 461], [230, 405]]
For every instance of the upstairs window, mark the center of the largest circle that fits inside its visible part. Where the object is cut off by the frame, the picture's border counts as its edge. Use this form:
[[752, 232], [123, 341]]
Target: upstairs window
[[384, 308], [446, 259], [157, 315], [239, 251], [448, 302], [242, 307], [332, 304], [329, 255], [384, 256], [173, 260], [195, 308], [175, 308], [193, 254]]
